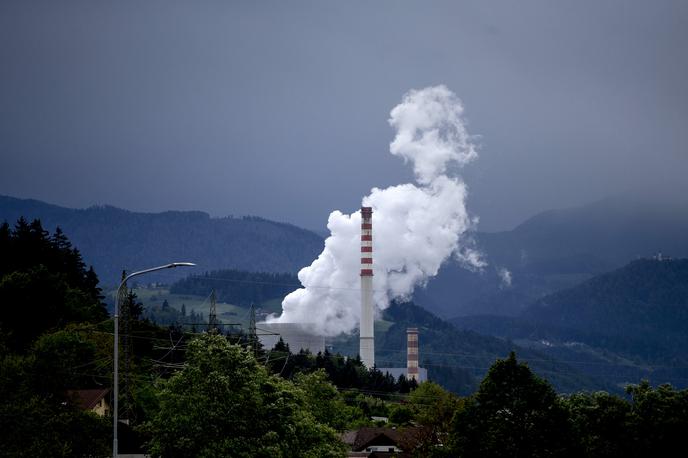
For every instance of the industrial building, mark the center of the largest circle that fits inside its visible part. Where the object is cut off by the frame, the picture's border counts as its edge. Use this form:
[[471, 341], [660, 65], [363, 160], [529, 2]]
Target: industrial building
[[299, 336], [412, 369]]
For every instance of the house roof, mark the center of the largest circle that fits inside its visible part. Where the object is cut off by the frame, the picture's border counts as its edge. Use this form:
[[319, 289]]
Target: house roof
[[87, 399], [405, 438]]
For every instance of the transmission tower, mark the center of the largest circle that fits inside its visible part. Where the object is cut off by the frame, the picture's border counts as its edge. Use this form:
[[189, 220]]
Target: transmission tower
[[252, 335], [212, 315]]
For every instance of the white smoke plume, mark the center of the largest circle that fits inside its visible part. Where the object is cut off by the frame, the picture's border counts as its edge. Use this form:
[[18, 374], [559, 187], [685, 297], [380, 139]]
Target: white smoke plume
[[416, 227], [505, 278]]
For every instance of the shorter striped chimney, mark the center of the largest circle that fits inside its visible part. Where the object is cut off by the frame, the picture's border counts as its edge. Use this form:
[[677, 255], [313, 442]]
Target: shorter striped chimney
[[412, 354]]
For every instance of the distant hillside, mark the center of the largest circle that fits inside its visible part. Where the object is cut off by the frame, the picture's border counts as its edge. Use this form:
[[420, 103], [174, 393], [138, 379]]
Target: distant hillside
[[558, 249], [458, 359], [647, 298], [632, 322], [112, 239], [238, 287]]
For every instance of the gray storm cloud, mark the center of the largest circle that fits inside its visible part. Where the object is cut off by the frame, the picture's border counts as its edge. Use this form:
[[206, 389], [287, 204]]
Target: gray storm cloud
[[416, 227]]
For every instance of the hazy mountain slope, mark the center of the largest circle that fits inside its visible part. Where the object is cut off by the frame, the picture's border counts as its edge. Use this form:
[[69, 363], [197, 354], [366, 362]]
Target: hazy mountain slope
[[558, 249], [458, 359], [112, 239], [633, 322], [641, 306]]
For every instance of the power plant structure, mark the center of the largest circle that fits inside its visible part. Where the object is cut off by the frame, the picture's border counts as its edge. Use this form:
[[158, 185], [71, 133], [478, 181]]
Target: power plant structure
[[300, 335], [412, 354], [367, 336], [412, 369]]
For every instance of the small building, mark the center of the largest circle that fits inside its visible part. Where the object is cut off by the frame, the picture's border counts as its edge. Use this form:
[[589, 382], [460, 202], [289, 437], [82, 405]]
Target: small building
[[96, 400], [382, 442]]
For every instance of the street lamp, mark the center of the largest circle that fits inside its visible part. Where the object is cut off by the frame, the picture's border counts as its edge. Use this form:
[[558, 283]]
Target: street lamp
[[116, 381]]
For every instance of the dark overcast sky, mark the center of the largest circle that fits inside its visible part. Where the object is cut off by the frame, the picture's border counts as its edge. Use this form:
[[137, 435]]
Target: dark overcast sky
[[280, 109]]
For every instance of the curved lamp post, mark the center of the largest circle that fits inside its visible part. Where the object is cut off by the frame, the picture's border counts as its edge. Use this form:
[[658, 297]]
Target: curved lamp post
[[116, 375]]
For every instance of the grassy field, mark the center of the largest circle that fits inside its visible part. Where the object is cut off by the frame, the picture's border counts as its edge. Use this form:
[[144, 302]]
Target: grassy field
[[226, 313]]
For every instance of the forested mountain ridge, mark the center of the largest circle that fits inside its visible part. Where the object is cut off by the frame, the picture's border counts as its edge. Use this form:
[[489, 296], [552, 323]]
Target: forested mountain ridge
[[112, 239], [558, 249], [634, 320], [647, 299]]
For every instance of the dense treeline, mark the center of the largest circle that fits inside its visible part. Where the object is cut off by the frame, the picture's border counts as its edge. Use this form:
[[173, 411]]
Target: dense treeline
[[44, 287], [345, 373], [44, 284], [165, 315], [515, 413], [238, 287]]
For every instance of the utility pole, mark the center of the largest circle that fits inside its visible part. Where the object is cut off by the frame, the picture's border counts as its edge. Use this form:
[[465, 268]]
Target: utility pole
[[121, 292], [128, 300]]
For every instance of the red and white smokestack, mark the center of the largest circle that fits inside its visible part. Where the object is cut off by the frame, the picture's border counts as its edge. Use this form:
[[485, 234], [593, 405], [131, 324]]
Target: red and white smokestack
[[412, 354], [367, 343]]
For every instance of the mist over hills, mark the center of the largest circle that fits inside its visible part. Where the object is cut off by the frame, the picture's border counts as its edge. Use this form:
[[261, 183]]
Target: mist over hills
[[557, 249], [111, 239]]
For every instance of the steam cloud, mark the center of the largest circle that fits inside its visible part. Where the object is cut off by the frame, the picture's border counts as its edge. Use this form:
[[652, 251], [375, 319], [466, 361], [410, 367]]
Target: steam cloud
[[505, 278], [416, 227]]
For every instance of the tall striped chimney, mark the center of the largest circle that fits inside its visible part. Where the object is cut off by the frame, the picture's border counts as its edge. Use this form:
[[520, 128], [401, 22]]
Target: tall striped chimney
[[412, 353], [367, 344]]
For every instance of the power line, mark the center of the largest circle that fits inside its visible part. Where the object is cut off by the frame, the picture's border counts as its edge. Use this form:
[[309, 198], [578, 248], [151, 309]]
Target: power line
[[290, 285]]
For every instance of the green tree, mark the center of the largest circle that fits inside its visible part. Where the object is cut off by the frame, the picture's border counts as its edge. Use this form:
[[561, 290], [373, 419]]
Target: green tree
[[433, 408], [601, 425], [44, 285], [60, 361], [400, 415], [36, 418], [223, 403], [33, 427], [132, 307], [659, 419], [513, 414], [324, 401]]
